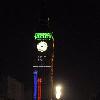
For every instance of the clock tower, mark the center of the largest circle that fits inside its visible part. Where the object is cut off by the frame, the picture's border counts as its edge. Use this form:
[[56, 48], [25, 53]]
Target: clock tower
[[42, 59]]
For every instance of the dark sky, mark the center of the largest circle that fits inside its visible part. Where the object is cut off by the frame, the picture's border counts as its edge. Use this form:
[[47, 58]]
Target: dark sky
[[77, 43]]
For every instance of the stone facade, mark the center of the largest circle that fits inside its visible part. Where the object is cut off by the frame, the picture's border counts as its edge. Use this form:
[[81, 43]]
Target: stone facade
[[11, 89]]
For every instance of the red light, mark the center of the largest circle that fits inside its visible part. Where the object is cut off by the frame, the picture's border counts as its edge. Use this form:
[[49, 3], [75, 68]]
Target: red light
[[39, 88]]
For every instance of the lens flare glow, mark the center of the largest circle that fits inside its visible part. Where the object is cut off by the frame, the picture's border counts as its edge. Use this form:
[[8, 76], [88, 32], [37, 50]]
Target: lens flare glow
[[58, 92]]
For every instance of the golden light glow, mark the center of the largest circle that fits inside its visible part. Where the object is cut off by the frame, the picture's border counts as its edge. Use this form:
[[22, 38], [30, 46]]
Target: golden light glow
[[58, 92]]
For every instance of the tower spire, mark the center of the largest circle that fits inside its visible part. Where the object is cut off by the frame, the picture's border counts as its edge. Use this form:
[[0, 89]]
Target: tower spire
[[43, 17]]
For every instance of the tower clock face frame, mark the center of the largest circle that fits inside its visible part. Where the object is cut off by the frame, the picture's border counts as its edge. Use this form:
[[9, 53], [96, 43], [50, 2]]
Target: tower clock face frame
[[42, 52]]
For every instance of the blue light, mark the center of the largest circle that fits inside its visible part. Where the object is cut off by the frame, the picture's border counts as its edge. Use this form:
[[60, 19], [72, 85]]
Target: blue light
[[35, 85]]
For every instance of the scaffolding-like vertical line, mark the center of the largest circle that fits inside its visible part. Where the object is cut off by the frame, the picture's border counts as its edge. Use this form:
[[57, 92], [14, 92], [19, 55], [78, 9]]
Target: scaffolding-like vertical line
[[52, 61], [52, 65]]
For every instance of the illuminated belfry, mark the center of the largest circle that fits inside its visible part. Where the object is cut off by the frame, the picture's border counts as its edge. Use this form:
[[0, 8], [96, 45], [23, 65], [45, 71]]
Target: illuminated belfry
[[43, 56]]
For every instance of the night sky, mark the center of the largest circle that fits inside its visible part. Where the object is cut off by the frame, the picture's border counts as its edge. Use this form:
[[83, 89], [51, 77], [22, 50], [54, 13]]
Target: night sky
[[77, 43]]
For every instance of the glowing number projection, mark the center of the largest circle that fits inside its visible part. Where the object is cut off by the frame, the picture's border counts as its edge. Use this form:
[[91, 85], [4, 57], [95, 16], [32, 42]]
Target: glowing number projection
[[42, 46], [40, 58], [43, 36]]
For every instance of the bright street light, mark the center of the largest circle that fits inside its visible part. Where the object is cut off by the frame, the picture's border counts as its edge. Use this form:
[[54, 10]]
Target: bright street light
[[58, 92]]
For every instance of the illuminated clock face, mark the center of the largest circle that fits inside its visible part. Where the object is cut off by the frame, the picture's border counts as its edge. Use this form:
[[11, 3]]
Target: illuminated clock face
[[42, 46]]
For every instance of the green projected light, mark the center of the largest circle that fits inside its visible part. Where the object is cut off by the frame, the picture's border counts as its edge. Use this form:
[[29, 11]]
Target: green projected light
[[43, 36]]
